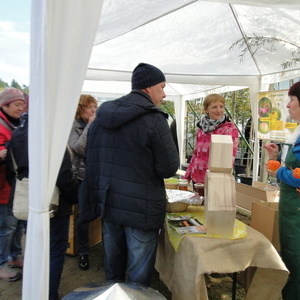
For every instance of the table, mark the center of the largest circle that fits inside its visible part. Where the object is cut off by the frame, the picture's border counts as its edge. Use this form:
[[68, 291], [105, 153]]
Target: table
[[183, 271]]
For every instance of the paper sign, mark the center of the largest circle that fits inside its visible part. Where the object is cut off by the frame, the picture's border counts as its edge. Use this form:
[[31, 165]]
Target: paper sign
[[274, 122]]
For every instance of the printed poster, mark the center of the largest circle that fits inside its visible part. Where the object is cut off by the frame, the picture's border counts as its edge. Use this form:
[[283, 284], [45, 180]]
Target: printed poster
[[274, 122]]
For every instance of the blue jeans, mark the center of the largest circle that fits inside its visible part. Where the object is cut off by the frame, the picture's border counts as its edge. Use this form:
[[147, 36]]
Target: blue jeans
[[11, 231], [129, 250], [59, 233]]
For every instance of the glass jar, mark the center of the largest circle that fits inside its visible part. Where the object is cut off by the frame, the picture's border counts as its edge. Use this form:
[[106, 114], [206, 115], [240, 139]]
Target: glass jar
[[183, 185], [199, 189]]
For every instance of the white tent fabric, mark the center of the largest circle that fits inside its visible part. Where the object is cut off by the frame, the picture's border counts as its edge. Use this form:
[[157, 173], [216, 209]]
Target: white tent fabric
[[61, 39], [188, 40]]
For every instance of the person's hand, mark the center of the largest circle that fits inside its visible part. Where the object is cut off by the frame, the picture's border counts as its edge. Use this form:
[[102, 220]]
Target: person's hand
[[271, 173], [92, 118], [272, 150], [53, 210], [3, 154]]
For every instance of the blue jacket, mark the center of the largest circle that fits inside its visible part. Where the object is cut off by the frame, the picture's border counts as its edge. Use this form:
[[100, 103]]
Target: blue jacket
[[129, 151], [285, 174]]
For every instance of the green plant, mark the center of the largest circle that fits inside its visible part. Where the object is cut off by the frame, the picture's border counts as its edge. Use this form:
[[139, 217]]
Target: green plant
[[269, 44], [168, 107]]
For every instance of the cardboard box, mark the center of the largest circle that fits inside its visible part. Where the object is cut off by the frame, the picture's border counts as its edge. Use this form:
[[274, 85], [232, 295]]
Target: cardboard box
[[246, 194], [264, 218], [95, 233], [72, 244]]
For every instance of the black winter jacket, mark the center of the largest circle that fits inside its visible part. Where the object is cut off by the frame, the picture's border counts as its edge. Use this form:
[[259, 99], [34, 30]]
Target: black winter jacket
[[66, 181], [129, 151]]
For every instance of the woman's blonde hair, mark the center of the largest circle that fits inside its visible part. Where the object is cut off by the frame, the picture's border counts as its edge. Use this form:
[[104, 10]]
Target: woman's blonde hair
[[212, 98], [84, 101]]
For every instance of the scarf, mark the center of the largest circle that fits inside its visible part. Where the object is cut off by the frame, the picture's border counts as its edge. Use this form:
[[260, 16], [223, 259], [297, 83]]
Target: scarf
[[207, 124], [82, 123], [13, 122]]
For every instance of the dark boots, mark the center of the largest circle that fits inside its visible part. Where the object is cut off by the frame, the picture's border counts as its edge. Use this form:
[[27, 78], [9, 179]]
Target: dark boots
[[84, 262]]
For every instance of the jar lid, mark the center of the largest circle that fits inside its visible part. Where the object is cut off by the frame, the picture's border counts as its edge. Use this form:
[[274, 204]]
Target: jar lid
[[198, 184], [182, 180]]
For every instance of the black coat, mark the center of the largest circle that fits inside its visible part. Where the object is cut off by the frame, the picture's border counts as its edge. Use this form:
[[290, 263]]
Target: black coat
[[66, 181], [129, 151]]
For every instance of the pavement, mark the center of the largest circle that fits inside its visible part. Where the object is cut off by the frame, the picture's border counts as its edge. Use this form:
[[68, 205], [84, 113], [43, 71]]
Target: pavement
[[73, 277]]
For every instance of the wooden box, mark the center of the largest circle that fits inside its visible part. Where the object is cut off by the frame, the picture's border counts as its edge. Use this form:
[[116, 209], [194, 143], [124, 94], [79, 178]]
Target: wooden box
[[95, 233], [72, 244], [220, 155], [220, 204]]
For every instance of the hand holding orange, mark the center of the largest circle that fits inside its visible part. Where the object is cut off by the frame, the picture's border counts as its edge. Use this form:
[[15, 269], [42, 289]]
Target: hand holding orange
[[273, 165], [296, 172]]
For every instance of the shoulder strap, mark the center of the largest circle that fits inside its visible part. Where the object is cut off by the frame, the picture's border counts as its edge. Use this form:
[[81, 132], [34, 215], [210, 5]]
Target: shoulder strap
[[14, 162], [5, 125]]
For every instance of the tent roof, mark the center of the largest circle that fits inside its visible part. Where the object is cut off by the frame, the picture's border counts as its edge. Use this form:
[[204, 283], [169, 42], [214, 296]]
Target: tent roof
[[190, 41]]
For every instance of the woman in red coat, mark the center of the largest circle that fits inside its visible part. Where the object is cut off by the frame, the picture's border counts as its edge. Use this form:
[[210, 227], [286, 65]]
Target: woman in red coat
[[11, 229]]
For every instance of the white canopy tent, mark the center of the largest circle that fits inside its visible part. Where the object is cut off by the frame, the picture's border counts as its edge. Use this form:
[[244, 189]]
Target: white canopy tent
[[72, 51], [190, 41]]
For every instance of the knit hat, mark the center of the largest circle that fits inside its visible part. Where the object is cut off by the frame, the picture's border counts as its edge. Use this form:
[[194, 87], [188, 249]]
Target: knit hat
[[9, 95], [145, 75]]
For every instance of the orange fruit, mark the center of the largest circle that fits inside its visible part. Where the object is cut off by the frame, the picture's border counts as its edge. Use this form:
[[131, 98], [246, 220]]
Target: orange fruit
[[273, 165], [296, 172]]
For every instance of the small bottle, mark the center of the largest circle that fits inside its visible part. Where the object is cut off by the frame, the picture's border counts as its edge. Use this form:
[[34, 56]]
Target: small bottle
[[183, 185]]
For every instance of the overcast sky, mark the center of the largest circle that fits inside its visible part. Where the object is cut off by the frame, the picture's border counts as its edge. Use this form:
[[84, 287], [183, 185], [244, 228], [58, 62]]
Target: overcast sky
[[14, 40]]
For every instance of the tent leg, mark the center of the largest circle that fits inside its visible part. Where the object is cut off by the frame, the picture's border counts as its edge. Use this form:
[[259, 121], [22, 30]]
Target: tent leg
[[234, 279]]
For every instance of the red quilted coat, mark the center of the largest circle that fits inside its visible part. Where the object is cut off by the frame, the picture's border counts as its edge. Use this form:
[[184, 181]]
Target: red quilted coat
[[199, 162], [5, 135]]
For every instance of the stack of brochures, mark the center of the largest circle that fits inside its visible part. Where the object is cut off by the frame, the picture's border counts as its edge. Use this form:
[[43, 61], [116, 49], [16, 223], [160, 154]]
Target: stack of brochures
[[185, 224]]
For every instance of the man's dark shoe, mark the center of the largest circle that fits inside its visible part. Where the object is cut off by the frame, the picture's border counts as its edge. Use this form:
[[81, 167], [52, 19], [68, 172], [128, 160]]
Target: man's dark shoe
[[84, 262]]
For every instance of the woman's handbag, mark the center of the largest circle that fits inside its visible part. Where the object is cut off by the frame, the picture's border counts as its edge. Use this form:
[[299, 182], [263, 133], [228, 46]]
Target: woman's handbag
[[21, 196], [21, 199]]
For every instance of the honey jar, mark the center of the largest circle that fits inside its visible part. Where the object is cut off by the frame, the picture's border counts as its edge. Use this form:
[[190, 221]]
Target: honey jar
[[199, 189], [183, 185]]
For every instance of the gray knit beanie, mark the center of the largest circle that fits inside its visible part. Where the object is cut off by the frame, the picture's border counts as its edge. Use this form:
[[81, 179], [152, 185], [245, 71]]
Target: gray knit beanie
[[145, 75]]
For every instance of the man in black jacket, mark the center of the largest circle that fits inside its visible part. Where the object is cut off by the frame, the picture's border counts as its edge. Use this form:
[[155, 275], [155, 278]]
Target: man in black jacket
[[129, 151]]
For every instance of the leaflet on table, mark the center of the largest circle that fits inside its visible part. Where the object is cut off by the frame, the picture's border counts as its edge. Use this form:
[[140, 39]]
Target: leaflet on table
[[188, 226], [177, 217]]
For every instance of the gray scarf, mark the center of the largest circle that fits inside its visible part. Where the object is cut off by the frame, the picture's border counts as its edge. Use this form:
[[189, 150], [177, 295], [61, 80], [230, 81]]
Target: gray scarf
[[207, 124]]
